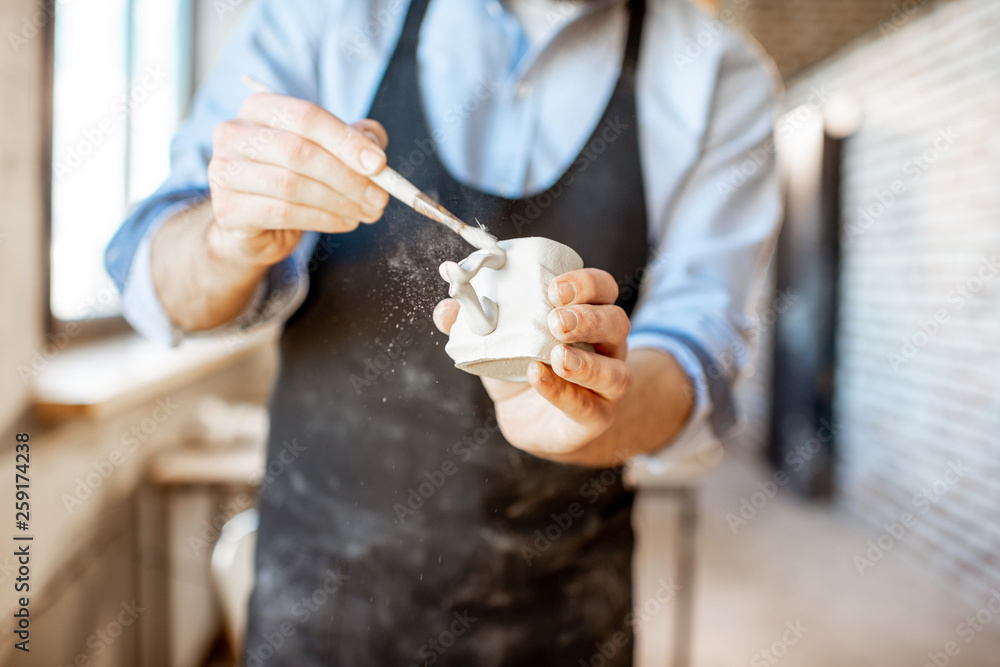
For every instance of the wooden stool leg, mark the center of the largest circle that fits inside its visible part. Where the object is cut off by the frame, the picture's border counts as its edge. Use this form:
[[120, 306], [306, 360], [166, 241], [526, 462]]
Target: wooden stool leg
[[687, 525], [153, 576]]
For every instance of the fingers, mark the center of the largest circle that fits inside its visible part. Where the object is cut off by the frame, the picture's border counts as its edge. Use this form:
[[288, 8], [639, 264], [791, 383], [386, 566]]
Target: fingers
[[238, 142], [285, 166], [248, 211], [257, 178], [584, 313], [580, 404], [607, 327], [603, 375], [592, 286], [346, 143], [445, 314]]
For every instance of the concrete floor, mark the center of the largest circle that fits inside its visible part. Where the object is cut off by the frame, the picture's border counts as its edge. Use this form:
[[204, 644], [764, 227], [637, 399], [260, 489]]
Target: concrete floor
[[792, 566]]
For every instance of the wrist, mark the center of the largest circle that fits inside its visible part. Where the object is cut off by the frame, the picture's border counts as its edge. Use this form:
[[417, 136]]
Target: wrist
[[227, 251], [602, 451]]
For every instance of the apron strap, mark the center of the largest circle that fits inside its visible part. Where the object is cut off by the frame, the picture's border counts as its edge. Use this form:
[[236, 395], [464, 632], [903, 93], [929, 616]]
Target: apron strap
[[637, 12], [411, 26]]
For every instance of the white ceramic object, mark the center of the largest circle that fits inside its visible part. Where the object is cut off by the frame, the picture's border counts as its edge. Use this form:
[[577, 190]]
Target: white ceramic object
[[502, 323]]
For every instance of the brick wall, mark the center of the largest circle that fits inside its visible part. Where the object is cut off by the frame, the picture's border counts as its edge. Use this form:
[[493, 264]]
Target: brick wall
[[798, 33], [918, 371]]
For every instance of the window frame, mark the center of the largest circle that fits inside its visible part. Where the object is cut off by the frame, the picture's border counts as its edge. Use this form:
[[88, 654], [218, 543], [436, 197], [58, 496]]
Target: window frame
[[105, 326]]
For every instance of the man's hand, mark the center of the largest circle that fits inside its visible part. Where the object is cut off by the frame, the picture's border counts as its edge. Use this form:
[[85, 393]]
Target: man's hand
[[560, 410], [285, 166]]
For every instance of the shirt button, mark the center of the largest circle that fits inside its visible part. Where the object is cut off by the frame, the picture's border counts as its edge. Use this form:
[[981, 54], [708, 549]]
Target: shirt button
[[524, 89]]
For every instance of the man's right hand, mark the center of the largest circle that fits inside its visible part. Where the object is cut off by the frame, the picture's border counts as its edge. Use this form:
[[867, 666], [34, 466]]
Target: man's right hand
[[285, 166]]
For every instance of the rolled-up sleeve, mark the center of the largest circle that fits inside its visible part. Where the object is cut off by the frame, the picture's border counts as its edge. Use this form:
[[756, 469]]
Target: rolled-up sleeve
[[696, 299], [278, 44]]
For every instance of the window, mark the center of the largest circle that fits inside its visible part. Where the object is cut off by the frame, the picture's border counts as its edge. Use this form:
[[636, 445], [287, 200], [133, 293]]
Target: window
[[121, 85]]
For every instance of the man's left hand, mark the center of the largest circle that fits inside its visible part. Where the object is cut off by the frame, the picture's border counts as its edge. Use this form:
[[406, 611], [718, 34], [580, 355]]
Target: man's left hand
[[564, 407]]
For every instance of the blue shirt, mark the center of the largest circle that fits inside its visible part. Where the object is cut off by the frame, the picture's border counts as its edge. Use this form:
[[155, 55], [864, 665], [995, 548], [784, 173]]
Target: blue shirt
[[512, 91]]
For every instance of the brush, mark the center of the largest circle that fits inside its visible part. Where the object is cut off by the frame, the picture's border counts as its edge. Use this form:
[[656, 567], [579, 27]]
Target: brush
[[392, 182]]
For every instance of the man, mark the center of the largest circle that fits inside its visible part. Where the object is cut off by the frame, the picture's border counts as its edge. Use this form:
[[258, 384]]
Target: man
[[431, 518]]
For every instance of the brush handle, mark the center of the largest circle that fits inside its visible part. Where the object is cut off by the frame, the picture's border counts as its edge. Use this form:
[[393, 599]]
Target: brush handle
[[256, 86], [389, 180]]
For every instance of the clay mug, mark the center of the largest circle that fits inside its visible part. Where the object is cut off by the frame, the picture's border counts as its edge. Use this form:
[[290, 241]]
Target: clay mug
[[502, 323]]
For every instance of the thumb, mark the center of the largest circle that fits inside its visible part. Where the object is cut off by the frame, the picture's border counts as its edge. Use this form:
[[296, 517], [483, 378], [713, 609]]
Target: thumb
[[445, 314]]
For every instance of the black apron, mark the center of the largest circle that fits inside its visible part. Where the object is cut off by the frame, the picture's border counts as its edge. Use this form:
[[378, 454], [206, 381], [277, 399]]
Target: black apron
[[398, 527]]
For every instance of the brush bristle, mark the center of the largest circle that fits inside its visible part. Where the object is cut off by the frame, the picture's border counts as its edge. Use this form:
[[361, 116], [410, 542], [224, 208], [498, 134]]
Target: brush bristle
[[480, 238]]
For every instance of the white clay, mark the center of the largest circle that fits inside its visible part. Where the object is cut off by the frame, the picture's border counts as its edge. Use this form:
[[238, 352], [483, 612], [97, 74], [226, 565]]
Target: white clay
[[518, 292]]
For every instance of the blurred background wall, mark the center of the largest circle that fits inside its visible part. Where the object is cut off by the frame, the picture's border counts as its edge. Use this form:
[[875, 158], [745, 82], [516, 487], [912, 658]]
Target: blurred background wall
[[917, 391], [799, 33], [22, 193]]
